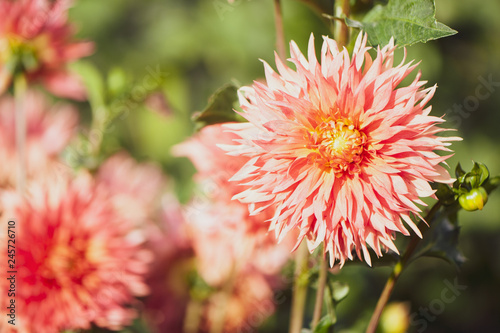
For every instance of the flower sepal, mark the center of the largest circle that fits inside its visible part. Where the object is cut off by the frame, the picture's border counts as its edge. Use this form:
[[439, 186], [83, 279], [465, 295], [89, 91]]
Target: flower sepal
[[469, 187]]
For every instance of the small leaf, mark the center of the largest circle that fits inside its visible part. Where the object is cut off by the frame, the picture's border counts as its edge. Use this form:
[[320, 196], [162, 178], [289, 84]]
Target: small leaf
[[408, 21], [459, 172], [444, 193], [220, 108], [324, 324], [117, 81], [339, 290], [93, 81], [491, 184], [441, 241], [481, 172]]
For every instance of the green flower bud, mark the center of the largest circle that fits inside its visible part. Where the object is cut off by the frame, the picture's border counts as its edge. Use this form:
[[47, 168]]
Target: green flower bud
[[473, 200]]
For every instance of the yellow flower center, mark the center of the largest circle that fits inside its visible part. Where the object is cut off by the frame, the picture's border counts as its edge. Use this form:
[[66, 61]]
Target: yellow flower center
[[22, 55], [74, 262], [338, 145]]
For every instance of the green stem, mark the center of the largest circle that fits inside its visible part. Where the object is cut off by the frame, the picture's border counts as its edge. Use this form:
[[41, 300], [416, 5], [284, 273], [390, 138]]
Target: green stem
[[219, 319], [192, 319], [320, 292], [20, 87], [398, 269], [342, 10], [280, 31], [299, 289]]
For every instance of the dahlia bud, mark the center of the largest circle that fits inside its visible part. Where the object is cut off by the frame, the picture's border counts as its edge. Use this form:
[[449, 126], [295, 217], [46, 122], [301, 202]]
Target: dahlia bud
[[473, 200], [471, 188]]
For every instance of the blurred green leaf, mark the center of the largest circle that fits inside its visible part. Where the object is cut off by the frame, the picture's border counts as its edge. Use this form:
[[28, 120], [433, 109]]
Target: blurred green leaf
[[408, 21], [444, 193], [220, 108], [339, 290], [117, 81], [459, 172], [441, 241], [324, 324], [492, 184], [93, 81]]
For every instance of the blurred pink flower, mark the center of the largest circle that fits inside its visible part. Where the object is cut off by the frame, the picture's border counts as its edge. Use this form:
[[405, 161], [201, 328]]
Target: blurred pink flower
[[49, 130], [339, 148], [165, 308], [35, 38], [135, 187], [78, 260], [214, 167], [250, 303], [230, 247], [225, 237]]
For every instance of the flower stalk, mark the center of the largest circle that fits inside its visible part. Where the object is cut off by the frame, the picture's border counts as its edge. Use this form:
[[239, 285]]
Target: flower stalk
[[320, 292], [280, 31], [341, 31], [20, 87], [299, 289], [398, 269]]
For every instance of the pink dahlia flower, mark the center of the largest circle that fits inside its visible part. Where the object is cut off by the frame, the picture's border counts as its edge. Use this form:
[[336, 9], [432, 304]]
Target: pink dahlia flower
[[48, 132], [250, 303], [168, 277], [214, 167], [231, 248], [35, 39], [78, 261], [135, 187], [340, 148], [225, 237]]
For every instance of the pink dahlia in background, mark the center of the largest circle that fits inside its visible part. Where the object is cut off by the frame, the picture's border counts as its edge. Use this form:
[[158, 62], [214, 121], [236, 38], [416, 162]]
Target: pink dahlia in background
[[250, 303], [214, 167], [225, 237], [231, 248], [78, 260], [339, 148], [135, 187], [168, 278], [36, 39], [48, 131]]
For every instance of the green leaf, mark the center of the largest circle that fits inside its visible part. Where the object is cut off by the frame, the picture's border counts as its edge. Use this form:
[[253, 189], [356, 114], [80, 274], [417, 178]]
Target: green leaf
[[324, 324], [93, 81], [481, 173], [444, 193], [117, 81], [220, 108], [408, 21], [339, 290], [459, 172], [491, 184], [441, 241]]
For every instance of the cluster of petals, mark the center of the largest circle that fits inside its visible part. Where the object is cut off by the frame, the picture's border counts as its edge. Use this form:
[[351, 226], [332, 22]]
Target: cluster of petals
[[36, 39], [341, 148], [49, 129], [78, 260]]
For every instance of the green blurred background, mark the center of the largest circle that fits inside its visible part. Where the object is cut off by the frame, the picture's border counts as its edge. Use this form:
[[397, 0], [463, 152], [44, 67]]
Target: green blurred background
[[202, 44]]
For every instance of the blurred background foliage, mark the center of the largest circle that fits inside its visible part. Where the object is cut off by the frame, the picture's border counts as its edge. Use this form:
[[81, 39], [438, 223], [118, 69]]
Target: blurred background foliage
[[202, 44]]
